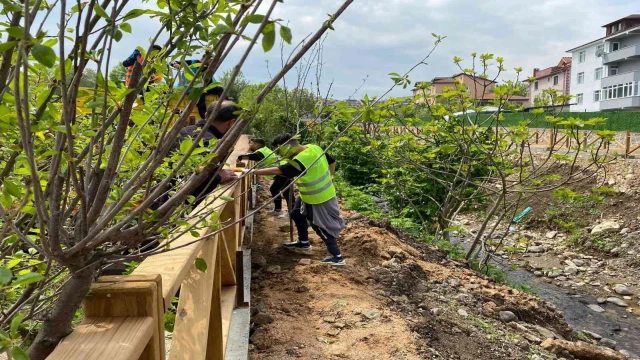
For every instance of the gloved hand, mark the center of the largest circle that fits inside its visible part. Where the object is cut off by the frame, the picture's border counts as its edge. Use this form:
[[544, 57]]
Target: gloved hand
[[226, 176]]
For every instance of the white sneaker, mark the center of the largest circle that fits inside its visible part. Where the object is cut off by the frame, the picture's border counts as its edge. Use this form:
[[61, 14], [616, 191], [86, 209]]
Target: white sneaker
[[284, 216]]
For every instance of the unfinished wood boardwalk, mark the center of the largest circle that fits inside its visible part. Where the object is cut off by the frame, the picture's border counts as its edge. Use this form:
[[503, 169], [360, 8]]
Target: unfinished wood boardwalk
[[124, 315]]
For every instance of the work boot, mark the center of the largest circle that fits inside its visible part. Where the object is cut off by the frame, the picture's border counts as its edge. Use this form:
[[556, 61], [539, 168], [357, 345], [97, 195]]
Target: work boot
[[334, 260], [298, 246]]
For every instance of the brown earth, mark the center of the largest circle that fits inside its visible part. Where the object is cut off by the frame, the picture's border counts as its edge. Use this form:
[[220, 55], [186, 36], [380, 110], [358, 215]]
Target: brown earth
[[398, 298]]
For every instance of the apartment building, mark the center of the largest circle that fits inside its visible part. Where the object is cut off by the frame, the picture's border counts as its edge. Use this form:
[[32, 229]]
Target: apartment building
[[555, 77], [605, 72], [480, 89]]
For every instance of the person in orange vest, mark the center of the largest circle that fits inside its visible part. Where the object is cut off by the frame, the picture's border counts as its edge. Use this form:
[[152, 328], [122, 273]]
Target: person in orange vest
[[131, 61]]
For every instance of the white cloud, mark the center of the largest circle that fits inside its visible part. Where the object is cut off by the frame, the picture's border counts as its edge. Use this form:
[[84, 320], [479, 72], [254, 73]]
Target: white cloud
[[376, 37]]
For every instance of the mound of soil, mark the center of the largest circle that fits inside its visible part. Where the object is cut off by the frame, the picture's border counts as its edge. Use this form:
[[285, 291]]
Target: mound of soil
[[398, 298]]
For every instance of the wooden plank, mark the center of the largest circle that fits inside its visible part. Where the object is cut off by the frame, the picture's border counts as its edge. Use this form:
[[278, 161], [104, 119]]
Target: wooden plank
[[227, 269], [190, 334], [174, 265], [227, 303], [113, 297], [159, 309], [110, 338], [214, 342]]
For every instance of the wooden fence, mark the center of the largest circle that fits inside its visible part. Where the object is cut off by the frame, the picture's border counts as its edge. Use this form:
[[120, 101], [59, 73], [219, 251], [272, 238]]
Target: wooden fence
[[625, 143], [124, 315]]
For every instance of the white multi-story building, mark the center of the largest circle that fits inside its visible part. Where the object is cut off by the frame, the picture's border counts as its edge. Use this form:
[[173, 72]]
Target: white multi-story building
[[605, 73]]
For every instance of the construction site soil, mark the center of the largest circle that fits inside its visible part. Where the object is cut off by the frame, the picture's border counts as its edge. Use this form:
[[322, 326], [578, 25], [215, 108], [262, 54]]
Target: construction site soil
[[398, 298]]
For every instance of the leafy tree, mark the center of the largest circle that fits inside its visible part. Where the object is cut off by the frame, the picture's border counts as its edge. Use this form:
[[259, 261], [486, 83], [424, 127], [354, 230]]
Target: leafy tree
[[77, 185], [235, 90], [117, 75], [430, 173], [519, 88], [280, 111], [88, 78]]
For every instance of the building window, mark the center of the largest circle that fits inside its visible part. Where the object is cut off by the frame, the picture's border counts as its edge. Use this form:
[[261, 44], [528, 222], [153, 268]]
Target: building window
[[581, 78], [619, 26], [555, 80], [579, 99], [582, 56], [596, 96], [613, 70], [613, 29], [619, 91], [600, 50], [598, 74], [615, 46], [535, 85]]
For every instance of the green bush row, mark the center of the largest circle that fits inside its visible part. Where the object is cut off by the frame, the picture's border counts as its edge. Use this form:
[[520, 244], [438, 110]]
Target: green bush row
[[615, 121]]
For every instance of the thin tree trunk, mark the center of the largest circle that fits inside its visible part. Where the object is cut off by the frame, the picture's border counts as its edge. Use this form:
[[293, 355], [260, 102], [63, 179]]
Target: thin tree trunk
[[478, 239], [58, 325]]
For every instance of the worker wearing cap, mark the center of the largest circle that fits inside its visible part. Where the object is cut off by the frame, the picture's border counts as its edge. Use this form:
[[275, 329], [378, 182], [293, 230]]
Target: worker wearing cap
[[317, 204]]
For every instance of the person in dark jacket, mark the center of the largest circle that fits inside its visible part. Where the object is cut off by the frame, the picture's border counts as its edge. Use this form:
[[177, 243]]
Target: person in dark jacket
[[224, 120], [183, 83]]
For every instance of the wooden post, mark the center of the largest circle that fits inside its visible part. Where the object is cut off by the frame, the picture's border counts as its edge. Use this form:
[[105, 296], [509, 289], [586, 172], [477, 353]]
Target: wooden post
[[627, 144], [130, 296], [215, 342], [240, 302], [194, 318], [229, 241]]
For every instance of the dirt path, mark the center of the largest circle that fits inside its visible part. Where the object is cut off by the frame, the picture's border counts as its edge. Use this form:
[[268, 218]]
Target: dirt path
[[398, 298], [319, 312]]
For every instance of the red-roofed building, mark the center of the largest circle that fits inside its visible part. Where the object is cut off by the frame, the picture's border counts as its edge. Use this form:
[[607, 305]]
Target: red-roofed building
[[479, 89], [556, 77]]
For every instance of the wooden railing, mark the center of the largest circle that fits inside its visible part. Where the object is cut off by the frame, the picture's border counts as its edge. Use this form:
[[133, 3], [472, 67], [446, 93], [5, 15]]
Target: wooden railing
[[124, 315], [625, 143]]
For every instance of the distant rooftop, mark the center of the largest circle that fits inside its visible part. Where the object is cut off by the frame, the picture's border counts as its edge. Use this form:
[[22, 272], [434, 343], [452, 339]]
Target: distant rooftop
[[630, 17]]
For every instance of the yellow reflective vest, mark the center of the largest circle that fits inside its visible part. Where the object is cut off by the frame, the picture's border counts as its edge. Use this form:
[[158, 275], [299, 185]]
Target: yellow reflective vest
[[316, 185]]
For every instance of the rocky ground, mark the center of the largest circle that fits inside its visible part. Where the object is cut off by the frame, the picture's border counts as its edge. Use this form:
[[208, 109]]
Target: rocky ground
[[398, 298], [586, 248]]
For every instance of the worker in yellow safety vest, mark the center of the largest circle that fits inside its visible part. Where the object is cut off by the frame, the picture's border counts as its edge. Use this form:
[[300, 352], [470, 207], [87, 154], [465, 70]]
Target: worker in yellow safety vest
[[264, 158], [130, 62], [312, 169]]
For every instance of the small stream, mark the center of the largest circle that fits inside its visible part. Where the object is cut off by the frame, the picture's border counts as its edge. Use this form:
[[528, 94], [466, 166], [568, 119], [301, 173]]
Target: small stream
[[615, 323]]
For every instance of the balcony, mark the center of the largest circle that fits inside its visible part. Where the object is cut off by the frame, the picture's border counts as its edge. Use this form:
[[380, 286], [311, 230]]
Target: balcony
[[622, 103], [622, 78], [621, 54]]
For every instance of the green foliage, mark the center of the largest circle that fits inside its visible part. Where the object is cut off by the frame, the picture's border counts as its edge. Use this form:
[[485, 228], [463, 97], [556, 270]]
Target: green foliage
[[239, 84], [356, 163], [566, 194], [117, 75], [615, 121], [201, 264], [356, 199], [604, 190], [281, 110], [489, 270]]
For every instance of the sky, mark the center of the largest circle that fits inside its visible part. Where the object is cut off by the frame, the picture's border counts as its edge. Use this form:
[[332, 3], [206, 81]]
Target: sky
[[376, 37]]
